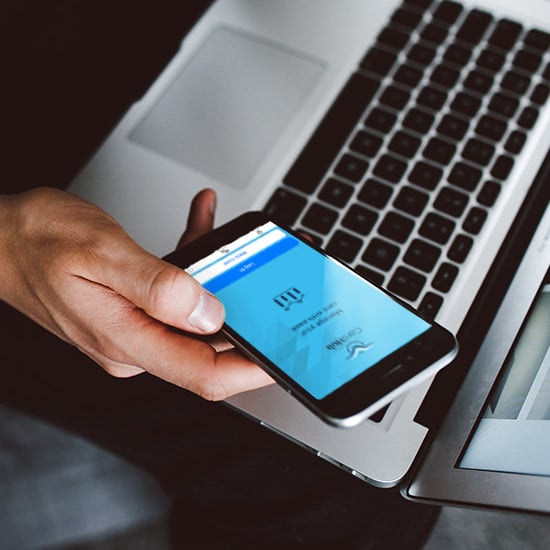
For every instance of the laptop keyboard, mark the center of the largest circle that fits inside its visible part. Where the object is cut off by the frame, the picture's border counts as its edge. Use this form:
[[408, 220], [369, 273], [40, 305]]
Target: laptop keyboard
[[401, 175]]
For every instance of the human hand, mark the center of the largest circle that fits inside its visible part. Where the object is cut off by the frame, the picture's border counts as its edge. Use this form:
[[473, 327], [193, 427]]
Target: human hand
[[73, 269]]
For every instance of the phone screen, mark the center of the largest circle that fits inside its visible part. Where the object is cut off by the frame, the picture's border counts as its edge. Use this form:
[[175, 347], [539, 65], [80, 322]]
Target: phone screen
[[318, 321]]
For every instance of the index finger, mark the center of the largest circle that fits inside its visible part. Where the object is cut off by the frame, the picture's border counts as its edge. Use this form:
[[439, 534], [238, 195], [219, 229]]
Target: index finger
[[191, 363]]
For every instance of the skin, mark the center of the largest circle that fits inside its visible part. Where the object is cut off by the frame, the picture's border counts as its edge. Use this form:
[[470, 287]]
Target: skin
[[73, 269]]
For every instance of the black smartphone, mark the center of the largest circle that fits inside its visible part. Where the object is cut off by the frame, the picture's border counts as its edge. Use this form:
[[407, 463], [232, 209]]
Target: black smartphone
[[341, 345]]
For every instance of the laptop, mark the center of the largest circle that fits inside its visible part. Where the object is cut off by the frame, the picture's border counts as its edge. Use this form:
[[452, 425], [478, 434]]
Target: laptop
[[403, 136]]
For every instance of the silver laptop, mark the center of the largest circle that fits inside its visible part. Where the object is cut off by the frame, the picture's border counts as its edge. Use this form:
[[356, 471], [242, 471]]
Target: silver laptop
[[402, 136]]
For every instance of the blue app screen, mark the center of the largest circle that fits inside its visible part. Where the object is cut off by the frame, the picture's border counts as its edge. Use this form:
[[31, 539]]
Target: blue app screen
[[318, 322]]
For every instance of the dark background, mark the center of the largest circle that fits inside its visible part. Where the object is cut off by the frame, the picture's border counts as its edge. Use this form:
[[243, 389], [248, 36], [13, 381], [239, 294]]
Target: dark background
[[71, 70]]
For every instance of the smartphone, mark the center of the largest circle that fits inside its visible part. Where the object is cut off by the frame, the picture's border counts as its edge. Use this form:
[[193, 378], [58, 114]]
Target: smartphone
[[341, 345]]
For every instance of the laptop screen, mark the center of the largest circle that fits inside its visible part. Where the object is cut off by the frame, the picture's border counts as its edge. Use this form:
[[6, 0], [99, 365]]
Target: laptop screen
[[513, 434]]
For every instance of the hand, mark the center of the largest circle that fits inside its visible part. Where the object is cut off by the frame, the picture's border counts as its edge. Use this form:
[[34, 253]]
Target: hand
[[72, 268]]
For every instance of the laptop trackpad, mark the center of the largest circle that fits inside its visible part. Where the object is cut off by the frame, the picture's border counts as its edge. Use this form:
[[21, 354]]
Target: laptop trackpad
[[228, 105]]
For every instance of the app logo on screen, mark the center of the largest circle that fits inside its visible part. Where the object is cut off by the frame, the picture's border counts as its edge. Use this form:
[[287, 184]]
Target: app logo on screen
[[356, 348], [288, 298]]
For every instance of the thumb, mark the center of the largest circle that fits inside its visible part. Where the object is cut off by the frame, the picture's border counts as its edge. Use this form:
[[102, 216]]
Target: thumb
[[175, 298], [165, 292]]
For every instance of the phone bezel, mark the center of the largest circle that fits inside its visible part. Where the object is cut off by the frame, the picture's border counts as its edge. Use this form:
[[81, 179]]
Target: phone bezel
[[367, 392]]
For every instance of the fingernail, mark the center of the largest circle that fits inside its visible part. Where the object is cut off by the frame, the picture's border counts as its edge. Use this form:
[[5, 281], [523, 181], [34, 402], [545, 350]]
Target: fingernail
[[213, 203], [208, 314]]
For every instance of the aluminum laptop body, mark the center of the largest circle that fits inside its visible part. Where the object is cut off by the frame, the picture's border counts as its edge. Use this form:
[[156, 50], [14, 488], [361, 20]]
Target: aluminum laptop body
[[244, 98]]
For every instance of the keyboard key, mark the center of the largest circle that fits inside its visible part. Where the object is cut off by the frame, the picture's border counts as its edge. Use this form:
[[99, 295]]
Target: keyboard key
[[466, 104], [546, 73], [284, 206], [474, 220], [478, 151], [437, 228], [370, 274], [515, 142], [504, 105], [411, 201], [457, 55], [375, 193], [390, 168], [378, 61], [366, 143], [474, 26], [406, 18], [527, 61], [434, 34], [489, 193], [444, 76], [407, 76], [465, 176], [478, 82], [421, 54], [308, 170], [445, 277], [425, 175], [394, 97], [515, 82], [381, 120], [381, 254], [396, 227], [540, 94], [460, 247], [491, 60], [502, 167], [404, 144], [351, 168], [418, 121], [439, 151], [538, 40], [453, 127], [359, 219], [430, 305], [451, 202], [431, 98], [528, 117], [447, 12], [491, 127], [344, 246], [422, 255], [407, 283], [505, 34], [393, 38], [336, 192], [320, 218]]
